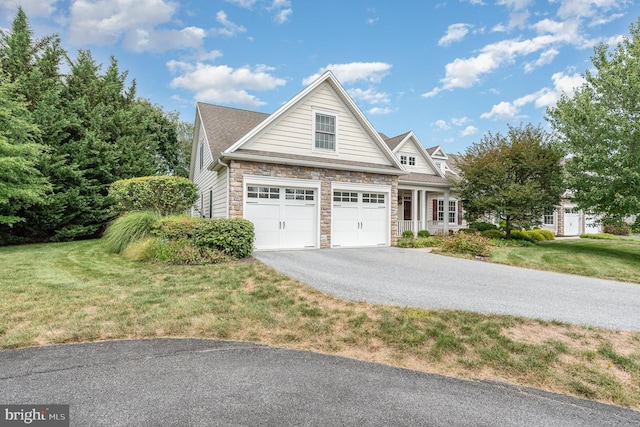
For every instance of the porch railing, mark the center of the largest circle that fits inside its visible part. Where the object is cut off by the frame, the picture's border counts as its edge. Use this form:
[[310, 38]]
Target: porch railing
[[434, 227]]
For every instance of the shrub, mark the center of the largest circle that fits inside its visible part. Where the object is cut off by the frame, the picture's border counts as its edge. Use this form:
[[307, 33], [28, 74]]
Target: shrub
[[462, 243], [548, 235], [424, 233], [467, 230], [128, 228], [407, 234], [232, 237], [482, 226], [493, 234], [420, 242], [522, 235], [621, 229], [168, 195]]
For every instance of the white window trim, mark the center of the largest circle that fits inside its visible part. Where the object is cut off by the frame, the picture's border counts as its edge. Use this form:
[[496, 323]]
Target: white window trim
[[455, 211], [324, 112]]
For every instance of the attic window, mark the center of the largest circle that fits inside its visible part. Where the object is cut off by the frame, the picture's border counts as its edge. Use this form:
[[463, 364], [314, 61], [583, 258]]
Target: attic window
[[403, 160], [412, 161], [325, 132]]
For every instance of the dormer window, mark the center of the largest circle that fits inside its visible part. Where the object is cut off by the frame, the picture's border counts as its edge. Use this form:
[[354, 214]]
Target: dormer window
[[325, 132], [408, 160]]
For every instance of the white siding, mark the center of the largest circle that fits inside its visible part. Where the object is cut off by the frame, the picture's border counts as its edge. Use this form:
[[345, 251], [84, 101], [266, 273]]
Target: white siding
[[220, 200], [293, 133], [203, 178], [410, 149]]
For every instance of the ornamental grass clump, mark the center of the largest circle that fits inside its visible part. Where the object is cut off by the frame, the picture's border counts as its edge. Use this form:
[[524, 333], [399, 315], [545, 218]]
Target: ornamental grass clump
[[128, 228]]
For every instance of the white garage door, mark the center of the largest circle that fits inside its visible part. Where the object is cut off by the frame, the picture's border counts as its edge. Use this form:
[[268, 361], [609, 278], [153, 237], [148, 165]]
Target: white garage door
[[359, 219], [283, 217], [591, 225], [571, 221]]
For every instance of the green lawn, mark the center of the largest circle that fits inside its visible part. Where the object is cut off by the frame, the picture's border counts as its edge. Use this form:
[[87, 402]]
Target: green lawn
[[74, 292], [606, 259]]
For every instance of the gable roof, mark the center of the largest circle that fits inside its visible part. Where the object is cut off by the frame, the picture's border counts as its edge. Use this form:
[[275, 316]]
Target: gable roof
[[437, 151], [331, 80], [397, 142], [225, 125]]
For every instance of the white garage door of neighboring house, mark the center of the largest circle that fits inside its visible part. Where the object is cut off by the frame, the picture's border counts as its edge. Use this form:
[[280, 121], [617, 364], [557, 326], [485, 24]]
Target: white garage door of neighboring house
[[591, 225], [283, 217], [571, 221], [360, 218]]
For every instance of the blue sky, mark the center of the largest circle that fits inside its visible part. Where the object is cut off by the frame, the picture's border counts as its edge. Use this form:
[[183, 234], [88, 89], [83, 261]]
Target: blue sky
[[451, 70]]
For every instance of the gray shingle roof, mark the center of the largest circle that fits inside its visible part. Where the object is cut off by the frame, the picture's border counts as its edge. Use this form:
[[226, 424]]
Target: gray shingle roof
[[393, 142], [225, 126], [424, 178]]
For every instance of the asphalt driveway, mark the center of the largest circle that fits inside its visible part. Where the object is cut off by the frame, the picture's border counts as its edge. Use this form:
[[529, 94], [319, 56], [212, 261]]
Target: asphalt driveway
[[413, 277], [187, 382]]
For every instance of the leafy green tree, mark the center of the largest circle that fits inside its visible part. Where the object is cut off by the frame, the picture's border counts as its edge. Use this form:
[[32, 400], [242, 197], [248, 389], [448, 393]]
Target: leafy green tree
[[513, 177], [21, 183], [600, 129]]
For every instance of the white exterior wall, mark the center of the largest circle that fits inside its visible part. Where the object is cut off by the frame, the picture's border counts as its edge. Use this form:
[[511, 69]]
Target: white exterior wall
[[203, 178], [293, 133], [220, 199], [409, 149]]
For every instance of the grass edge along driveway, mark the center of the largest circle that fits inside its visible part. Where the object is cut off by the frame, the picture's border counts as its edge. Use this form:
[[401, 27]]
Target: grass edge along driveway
[[76, 292]]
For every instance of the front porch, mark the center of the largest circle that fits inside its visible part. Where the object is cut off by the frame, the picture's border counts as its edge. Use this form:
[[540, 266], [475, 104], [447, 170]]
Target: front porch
[[423, 209]]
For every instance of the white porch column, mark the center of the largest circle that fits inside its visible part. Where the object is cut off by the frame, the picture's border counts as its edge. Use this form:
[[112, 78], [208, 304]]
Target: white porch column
[[414, 211], [423, 210], [446, 213]]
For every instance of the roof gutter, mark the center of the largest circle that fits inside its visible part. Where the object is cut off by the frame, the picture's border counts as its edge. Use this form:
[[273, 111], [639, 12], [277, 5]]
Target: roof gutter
[[310, 163]]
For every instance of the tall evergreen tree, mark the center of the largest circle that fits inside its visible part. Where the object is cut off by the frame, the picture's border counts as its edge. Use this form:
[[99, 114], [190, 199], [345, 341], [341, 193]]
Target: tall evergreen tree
[[95, 129], [21, 183]]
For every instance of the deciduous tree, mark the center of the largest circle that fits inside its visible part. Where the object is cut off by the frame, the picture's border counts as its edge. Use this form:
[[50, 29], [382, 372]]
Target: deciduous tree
[[600, 129], [513, 177]]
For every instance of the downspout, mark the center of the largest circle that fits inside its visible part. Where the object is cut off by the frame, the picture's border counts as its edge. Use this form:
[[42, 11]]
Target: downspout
[[226, 165]]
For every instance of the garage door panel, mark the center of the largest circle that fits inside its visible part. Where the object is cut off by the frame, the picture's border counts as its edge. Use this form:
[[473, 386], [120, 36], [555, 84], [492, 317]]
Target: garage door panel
[[345, 225], [283, 217], [359, 219], [299, 226]]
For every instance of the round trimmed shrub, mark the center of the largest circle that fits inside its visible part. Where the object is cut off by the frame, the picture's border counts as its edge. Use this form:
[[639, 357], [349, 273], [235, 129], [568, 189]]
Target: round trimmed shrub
[[424, 233], [482, 226], [407, 234], [168, 195]]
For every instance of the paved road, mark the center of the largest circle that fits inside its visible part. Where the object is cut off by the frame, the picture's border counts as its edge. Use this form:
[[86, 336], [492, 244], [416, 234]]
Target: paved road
[[186, 382], [412, 277]]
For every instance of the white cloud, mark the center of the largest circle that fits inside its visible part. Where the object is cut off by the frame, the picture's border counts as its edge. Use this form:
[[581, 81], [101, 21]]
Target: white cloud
[[545, 58], [369, 96], [372, 72], [455, 33], [282, 9], [469, 130], [466, 72], [380, 111], [229, 29], [283, 16], [247, 4], [543, 98], [461, 121], [223, 84], [32, 8], [594, 9], [441, 124], [107, 22], [163, 40]]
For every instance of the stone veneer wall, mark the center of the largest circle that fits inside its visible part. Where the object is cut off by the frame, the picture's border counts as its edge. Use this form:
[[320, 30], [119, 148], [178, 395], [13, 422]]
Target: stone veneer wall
[[237, 170]]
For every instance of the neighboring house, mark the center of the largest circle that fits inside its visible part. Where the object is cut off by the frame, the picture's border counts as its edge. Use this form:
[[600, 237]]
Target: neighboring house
[[315, 173], [568, 220]]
